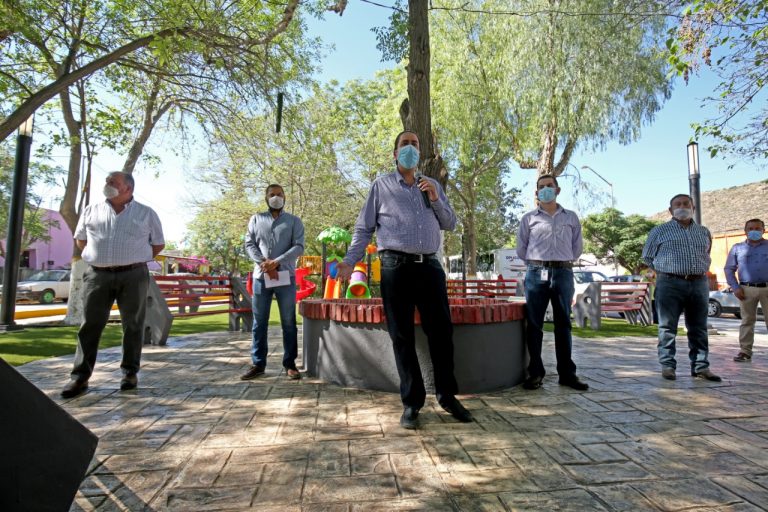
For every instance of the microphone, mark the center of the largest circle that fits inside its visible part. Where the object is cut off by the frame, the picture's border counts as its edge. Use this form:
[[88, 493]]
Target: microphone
[[427, 202]]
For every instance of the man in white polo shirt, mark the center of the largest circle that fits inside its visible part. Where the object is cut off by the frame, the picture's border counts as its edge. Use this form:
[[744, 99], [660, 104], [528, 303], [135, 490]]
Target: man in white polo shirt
[[117, 237]]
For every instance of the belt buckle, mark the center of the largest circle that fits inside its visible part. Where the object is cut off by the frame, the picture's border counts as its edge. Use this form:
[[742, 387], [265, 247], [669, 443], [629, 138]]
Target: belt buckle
[[418, 258]]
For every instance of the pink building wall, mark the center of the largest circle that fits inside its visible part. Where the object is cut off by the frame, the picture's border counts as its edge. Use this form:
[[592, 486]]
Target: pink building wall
[[54, 254]]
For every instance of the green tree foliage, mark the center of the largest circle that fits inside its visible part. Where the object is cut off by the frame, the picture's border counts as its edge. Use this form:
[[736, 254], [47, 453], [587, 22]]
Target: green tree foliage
[[36, 225], [105, 33], [218, 229], [730, 37], [611, 235]]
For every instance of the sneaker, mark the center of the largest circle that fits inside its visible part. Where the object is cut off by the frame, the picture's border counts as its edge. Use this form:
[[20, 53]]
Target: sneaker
[[668, 373], [410, 418], [742, 358], [252, 373], [707, 374]]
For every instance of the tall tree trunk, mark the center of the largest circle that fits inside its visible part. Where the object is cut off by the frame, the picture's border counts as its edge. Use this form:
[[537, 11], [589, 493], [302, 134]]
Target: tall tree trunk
[[415, 112]]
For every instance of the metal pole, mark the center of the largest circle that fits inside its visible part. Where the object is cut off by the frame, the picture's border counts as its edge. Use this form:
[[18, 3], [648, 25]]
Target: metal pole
[[693, 179], [15, 224]]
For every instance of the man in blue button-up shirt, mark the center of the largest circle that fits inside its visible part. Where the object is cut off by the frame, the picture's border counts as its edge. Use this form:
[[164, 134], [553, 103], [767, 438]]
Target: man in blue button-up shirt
[[749, 259], [274, 241], [549, 240], [407, 212]]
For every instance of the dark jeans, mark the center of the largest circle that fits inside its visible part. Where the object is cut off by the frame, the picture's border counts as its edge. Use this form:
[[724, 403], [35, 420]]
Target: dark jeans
[[286, 303], [557, 288], [673, 297], [406, 286], [100, 290]]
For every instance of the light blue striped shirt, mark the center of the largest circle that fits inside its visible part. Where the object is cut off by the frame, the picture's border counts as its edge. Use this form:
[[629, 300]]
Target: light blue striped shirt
[[280, 239], [546, 237], [675, 249], [397, 213], [751, 261], [115, 239]]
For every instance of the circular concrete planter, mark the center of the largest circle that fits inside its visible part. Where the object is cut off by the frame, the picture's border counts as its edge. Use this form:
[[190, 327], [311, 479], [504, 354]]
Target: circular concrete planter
[[346, 343]]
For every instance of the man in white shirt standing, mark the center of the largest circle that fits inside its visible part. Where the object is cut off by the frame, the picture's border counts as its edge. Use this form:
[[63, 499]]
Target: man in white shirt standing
[[117, 237]]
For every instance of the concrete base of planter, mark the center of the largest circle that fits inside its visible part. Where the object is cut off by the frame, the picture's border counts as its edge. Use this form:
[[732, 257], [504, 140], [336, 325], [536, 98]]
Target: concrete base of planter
[[487, 356]]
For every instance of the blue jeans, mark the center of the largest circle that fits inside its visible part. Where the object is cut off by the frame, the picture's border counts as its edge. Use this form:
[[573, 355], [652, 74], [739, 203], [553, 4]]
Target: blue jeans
[[557, 288], [673, 297], [286, 302]]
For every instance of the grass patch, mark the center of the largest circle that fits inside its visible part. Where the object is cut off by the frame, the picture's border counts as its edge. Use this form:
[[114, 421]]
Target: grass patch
[[39, 342], [612, 328]]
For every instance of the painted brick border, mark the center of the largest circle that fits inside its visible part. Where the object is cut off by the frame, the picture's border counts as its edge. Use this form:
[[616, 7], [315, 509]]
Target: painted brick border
[[371, 311]]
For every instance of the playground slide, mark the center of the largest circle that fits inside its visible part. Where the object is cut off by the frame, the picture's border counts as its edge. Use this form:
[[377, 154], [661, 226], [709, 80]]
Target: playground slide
[[305, 286]]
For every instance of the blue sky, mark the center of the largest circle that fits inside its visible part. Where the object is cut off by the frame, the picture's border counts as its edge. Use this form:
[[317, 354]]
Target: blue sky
[[644, 174]]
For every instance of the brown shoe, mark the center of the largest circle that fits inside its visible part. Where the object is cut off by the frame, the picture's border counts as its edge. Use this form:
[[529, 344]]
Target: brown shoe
[[252, 373], [668, 373], [293, 373], [707, 374], [742, 358], [129, 381], [74, 388]]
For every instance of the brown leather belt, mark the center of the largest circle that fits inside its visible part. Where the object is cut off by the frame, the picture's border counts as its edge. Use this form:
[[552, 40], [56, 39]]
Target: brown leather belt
[[121, 268]]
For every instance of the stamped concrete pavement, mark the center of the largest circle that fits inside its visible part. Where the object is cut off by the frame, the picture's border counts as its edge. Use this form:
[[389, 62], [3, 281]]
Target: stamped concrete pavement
[[195, 437]]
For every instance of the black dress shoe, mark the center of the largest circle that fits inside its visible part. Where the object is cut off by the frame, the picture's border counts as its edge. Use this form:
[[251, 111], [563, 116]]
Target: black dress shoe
[[455, 409], [533, 382], [129, 382], [74, 388], [410, 418], [574, 383]]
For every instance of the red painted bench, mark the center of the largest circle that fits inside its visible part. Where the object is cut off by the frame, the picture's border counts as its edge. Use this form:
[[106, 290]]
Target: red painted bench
[[502, 288], [631, 299]]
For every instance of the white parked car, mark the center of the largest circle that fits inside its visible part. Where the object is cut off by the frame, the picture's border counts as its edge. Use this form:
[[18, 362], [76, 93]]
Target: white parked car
[[44, 287], [724, 301]]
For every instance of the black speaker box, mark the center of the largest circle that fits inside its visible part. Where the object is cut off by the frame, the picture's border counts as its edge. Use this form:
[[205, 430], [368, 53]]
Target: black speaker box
[[44, 452]]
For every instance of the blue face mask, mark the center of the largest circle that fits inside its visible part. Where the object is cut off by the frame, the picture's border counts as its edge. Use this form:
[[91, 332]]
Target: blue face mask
[[547, 194], [755, 235], [408, 157]]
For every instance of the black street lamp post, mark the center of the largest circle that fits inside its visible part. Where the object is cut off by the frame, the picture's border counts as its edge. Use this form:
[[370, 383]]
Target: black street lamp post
[[693, 179], [15, 224]]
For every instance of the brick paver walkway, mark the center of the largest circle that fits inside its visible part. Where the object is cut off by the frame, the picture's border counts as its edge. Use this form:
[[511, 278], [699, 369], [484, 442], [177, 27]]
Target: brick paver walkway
[[194, 437]]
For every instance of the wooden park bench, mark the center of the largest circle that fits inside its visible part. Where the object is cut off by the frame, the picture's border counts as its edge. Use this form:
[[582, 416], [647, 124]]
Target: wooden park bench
[[631, 300], [490, 288]]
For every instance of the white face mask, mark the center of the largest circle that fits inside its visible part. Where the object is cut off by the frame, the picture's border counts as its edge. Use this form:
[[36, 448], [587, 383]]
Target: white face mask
[[276, 202], [682, 213], [110, 192]]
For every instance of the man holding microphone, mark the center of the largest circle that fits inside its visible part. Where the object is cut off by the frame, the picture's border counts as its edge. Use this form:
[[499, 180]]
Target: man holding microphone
[[407, 213]]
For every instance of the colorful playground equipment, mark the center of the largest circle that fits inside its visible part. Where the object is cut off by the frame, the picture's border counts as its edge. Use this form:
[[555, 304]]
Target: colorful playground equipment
[[332, 285], [305, 287], [358, 283]]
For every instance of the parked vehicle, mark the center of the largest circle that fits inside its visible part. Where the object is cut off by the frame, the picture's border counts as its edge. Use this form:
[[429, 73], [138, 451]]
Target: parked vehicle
[[588, 276], [632, 278], [724, 301], [44, 287]]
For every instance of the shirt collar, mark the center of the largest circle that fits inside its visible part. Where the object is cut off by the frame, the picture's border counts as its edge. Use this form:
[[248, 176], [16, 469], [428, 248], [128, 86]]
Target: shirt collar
[[541, 210]]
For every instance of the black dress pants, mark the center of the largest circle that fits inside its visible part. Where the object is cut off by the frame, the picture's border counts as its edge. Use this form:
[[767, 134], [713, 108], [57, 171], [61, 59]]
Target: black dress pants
[[101, 288], [405, 286]]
